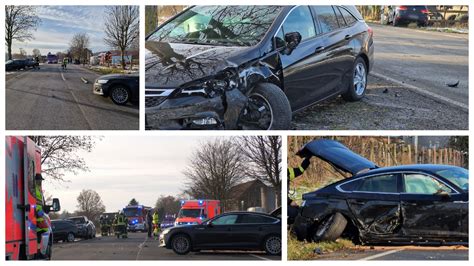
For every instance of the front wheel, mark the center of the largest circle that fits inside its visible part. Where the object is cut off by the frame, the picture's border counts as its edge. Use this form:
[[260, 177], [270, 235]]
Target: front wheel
[[358, 82], [181, 244], [70, 237], [272, 245], [120, 95], [268, 109], [330, 228]]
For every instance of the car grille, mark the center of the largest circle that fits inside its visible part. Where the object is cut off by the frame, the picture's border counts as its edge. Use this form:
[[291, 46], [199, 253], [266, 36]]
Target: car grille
[[154, 97]]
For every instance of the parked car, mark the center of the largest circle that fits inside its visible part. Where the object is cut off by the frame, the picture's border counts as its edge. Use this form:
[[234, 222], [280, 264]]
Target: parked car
[[15, 64], [398, 15], [30, 62], [228, 231], [416, 204], [64, 230], [85, 227], [251, 67], [121, 88]]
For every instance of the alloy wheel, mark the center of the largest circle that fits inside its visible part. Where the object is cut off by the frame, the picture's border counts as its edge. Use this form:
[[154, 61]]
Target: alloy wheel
[[181, 244], [273, 245], [120, 95], [259, 114], [360, 79]]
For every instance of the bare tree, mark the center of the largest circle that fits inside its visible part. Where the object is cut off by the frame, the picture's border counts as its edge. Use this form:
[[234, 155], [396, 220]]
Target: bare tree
[[20, 21], [167, 205], [59, 154], [133, 202], [122, 28], [215, 167], [90, 204], [79, 46], [263, 157], [36, 52]]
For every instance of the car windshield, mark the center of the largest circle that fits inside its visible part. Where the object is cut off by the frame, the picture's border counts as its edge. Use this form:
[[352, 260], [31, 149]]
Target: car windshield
[[194, 213], [132, 212], [219, 25], [9, 62], [458, 176], [77, 220]]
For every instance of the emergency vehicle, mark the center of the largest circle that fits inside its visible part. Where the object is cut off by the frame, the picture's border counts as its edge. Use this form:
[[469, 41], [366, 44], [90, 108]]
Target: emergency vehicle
[[197, 211], [136, 215], [22, 164]]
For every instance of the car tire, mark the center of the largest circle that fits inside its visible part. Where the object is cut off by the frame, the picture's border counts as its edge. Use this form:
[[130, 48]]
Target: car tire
[[356, 91], [394, 22], [181, 244], [276, 100], [119, 94], [70, 237], [330, 228], [272, 245]]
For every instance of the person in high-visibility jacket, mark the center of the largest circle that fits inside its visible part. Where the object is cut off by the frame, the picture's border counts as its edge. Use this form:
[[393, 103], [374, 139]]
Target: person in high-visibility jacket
[[121, 222], [293, 173], [156, 225], [41, 225]]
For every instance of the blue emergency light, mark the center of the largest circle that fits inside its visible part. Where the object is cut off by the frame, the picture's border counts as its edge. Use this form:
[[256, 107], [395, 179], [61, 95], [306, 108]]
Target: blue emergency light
[[200, 202]]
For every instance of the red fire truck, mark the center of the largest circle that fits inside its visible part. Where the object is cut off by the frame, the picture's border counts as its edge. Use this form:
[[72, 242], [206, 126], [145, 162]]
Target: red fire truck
[[136, 215], [196, 211], [22, 164]]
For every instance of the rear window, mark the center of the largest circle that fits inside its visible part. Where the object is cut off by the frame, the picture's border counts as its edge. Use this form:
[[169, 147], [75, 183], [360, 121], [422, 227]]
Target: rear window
[[381, 183], [326, 17]]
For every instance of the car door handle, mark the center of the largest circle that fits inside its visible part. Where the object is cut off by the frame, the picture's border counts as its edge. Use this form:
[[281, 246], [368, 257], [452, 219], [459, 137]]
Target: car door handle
[[347, 37], [319, 49], [411, 203]]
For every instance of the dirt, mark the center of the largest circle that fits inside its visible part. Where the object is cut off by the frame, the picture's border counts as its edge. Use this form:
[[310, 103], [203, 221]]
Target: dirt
[[386, 106]]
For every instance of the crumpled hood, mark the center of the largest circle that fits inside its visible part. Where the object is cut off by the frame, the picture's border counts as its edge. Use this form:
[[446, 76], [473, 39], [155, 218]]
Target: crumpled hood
[[338, 155], [171, 65]]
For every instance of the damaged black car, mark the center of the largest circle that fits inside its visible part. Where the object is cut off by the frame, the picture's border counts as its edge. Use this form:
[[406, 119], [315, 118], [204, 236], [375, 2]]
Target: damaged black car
[[251, 67], [407, 204]]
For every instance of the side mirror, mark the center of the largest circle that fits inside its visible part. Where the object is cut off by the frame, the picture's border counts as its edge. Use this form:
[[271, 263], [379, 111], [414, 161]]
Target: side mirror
[[292, 40], [56, 205], [443, 194], [209, 224]]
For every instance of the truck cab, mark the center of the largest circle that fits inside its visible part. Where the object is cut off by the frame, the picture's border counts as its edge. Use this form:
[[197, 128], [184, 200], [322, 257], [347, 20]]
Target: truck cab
[[136, 215], [23, 164], [197, 211]]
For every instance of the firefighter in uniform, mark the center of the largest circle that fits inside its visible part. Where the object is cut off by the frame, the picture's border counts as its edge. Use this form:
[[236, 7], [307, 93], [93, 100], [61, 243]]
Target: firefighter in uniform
[[156, 225], [121, 222], [293, 173], [41, 225]]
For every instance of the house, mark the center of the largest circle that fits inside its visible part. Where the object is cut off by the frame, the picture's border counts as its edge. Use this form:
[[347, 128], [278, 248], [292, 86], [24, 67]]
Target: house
[[252, 194]]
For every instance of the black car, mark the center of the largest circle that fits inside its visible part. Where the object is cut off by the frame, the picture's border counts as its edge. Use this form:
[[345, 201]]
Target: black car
[[418, 204], [228, 231], [251, 67], [121, 88], [398, 15], [85, 227], [64, 230], [15, 64]]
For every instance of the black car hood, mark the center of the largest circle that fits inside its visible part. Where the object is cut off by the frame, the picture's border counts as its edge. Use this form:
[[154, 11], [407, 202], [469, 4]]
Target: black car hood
[[118, 76], [174, 64], [338, 155]]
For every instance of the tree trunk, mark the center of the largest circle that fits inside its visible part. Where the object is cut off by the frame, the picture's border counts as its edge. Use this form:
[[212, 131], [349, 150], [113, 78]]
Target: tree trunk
[[10, 50], [122, 54]]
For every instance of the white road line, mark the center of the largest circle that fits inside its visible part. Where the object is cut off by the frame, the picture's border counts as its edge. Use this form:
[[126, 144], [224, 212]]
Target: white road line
[[62, 76], [382, 254], [141, 247], [259, 257], [422, 91]]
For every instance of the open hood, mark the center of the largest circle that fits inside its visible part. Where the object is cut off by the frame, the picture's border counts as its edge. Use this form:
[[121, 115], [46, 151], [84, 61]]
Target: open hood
[[338, 155]]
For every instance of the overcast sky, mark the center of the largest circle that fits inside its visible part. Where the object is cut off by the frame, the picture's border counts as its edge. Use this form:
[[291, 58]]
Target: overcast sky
[[122, 168], [60, 23]]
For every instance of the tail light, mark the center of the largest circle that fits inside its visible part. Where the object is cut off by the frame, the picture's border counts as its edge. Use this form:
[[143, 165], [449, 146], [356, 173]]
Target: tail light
[[370, 31], [424, 11], [402, 8]]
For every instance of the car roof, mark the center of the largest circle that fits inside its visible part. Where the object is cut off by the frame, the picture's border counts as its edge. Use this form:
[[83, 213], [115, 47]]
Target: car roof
[[245, 212], [431, 168]]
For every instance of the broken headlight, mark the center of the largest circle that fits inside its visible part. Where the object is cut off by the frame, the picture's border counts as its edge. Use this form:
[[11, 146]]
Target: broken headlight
[[212, 87]]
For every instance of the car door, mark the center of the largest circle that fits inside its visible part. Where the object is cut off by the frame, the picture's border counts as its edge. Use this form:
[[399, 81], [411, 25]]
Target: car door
[[431, 208], [216, 233], [375, 204], [304, 69], [251, 228]]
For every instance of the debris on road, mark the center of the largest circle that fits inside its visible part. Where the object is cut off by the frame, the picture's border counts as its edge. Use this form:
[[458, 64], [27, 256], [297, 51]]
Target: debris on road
[[84, 80], [453, 85]]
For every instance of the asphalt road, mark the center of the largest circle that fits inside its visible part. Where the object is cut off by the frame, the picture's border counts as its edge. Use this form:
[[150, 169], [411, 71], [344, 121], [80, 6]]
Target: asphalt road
[[400, 253], [51, 99], [426, 59], [139, 247]]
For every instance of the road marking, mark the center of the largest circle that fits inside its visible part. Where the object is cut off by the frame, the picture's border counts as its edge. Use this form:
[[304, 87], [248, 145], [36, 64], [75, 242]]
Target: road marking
[[422, 91], [62, 75], [259, 257], [382, 254], [141, 247]]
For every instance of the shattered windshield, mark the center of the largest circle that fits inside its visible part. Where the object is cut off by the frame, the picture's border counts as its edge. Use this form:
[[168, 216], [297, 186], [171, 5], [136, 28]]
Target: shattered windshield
[[219, 25], [458, 176]]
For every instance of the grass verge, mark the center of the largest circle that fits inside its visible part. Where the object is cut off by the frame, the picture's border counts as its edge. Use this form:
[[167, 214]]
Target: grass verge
[[298, 250]]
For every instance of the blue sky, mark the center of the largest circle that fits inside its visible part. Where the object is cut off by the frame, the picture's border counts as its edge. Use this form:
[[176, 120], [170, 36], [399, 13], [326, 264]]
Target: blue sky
[[60, 23]]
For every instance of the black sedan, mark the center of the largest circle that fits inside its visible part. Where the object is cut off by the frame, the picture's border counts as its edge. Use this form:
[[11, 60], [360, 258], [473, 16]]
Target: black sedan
[[64, 230], [15, 64], [251, 67], [398, 15], [229, 231], [121, 88], [421, 204], [85, 227]]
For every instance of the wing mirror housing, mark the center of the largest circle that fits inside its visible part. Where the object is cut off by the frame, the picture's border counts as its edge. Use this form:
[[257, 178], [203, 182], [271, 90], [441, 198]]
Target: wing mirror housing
[[55, 207], [292, 40]]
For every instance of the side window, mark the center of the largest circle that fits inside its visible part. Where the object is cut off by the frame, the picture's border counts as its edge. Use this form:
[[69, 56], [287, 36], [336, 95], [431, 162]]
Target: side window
[[326, 17], [339, 17], [299, 20], [348, 17], [350, 186], [423, 184], [255, 219], [226, 219], [381, 183]]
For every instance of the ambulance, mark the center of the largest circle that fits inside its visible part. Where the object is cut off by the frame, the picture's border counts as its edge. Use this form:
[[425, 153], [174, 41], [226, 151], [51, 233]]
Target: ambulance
[[197, 211]]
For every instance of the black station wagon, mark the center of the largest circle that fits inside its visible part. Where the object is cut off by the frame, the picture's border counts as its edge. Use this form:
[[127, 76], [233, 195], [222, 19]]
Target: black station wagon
[[251, 67], [415, 204]]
